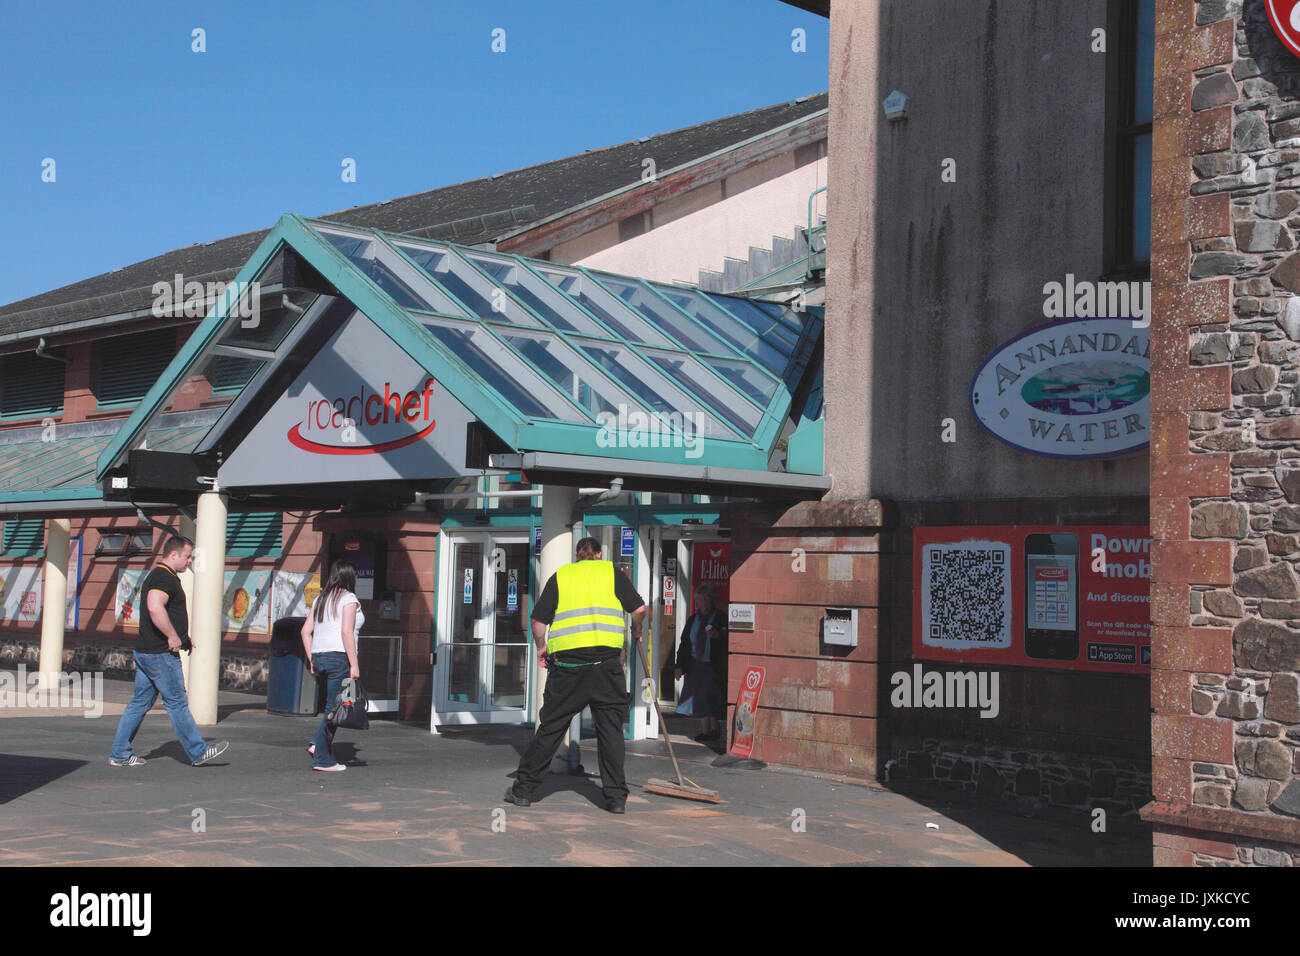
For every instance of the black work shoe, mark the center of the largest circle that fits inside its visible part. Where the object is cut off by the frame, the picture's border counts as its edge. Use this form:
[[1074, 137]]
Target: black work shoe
[[516, 799], [616, 806]]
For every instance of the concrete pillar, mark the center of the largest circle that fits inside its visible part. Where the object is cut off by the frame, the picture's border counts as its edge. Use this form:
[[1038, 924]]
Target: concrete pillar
[[205, 615], [54, 600], [557, 551], [187, 530]]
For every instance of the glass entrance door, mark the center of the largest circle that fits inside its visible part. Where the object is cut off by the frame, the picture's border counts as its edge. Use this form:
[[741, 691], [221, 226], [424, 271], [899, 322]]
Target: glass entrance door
[[483, 632]]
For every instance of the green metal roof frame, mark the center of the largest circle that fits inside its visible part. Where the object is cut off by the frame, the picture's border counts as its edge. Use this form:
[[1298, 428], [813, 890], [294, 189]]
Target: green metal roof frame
[[522, 432]]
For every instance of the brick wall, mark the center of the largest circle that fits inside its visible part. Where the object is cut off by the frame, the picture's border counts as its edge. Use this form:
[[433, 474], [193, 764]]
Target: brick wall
[[1225, 692]]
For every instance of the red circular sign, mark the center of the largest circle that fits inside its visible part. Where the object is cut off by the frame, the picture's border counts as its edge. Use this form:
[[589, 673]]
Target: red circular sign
[[1285, 17]]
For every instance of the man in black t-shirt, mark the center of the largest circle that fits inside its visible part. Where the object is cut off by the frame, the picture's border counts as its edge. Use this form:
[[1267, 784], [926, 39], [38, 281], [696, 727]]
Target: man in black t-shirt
[[164, 632]]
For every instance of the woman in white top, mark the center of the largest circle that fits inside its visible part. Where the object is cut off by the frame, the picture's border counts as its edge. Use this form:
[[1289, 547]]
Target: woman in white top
[[330, 638]]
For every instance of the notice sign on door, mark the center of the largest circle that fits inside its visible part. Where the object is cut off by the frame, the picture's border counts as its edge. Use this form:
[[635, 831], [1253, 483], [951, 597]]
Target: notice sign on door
[[512, 589], [469, 586], [670, 593], [742, 744], [1066, 597], [627, 542]]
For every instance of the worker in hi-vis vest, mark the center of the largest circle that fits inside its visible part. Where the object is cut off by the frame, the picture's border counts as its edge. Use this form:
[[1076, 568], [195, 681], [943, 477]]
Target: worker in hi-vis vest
[[583, 604]]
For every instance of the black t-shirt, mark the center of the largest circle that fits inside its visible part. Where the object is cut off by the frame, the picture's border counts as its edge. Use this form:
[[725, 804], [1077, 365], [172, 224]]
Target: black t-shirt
[[549, 600], [152, 640]]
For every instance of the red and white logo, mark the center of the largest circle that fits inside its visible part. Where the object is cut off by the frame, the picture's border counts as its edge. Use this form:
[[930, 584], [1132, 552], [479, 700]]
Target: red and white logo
[[1284, 15], [348, 425], [753, 679]]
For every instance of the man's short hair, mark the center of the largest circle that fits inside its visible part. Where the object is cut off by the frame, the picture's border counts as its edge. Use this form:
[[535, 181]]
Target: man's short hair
[[589, 547], [175, 544]]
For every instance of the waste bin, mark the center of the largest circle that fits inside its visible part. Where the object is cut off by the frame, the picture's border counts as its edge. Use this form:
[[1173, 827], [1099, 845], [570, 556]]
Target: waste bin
[[290, 684]]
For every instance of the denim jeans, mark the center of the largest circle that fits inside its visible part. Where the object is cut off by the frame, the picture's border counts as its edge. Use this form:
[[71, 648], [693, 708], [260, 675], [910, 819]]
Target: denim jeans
[[158, 674], [335, 667]]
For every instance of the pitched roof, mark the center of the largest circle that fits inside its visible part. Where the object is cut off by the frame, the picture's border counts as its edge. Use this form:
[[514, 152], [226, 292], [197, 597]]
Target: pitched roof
[[469, 212]]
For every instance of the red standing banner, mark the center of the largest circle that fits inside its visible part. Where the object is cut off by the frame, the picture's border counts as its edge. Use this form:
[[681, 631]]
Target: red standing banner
[[1070, 598], [742, 744]]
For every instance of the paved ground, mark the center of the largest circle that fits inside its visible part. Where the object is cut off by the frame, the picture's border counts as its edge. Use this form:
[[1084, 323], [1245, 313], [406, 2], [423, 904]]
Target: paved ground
[[411, 797]]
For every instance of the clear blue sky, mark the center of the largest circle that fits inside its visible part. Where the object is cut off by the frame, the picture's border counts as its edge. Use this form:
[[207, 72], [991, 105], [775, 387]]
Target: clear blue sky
[[158, 147]]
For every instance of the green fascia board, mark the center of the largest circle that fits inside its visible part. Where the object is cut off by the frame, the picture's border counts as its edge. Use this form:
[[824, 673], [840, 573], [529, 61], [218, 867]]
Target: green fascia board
[[805, 452], [93, 492], [577, 439], [181, 365]]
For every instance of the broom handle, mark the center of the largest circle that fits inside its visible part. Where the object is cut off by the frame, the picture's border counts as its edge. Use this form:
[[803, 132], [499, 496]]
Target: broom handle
[[654, 697]]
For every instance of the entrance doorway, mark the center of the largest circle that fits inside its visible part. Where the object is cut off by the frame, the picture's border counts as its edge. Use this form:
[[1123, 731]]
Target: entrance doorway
[[483, 646]]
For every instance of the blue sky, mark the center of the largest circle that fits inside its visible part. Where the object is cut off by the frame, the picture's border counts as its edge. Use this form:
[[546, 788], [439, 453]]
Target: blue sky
[[156, 146]]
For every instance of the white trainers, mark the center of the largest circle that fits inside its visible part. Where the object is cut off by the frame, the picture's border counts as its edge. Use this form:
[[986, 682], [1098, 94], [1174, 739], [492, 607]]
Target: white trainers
[[214, 751], [335, 768], [131, 761]]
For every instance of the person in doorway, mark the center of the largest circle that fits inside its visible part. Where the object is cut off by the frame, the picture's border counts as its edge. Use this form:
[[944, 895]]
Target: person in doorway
[[164, 633], [702, 661], [583, 605], [329, 636]]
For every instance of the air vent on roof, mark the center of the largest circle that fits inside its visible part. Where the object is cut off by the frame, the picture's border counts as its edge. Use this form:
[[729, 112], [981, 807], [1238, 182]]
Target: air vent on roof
[[644, 139]]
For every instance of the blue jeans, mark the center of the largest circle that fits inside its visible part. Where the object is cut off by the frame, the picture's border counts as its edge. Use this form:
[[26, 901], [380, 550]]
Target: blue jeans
[[158, 674], [335, 667]]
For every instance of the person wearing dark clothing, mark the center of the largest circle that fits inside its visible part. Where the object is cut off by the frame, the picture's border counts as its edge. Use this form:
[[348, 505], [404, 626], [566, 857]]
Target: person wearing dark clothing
[[578, 627], [164, 633], [702, 661]]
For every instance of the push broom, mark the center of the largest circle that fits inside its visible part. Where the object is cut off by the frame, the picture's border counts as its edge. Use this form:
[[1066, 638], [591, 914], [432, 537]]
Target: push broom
[[684, 787]]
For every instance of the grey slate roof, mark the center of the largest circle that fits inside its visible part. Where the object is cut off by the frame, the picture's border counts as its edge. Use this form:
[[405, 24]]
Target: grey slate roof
[[473, 211]]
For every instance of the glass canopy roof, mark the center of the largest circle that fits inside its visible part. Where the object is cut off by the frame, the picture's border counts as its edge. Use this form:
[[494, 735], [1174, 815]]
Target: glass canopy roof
[[534, 349]]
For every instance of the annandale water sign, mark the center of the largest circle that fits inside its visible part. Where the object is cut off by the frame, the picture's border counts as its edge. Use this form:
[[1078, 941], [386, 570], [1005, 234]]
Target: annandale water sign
[[1074, 389]]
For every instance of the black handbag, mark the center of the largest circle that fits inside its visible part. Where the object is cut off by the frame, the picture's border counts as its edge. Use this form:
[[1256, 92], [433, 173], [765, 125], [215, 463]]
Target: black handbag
[[350, 707]]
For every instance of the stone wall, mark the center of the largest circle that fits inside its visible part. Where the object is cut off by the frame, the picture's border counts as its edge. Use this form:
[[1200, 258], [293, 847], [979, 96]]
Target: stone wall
[[248, 674], [1225, 452]]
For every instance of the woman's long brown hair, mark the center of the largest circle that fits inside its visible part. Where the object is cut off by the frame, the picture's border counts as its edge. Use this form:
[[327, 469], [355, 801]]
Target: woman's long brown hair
[[342, 577]]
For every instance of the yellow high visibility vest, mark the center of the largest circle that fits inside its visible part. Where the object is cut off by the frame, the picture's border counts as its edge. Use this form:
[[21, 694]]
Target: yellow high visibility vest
[[588, 613]]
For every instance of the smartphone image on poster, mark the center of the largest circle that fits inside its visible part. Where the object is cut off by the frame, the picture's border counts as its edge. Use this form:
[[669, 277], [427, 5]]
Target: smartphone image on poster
[[1052, 597]]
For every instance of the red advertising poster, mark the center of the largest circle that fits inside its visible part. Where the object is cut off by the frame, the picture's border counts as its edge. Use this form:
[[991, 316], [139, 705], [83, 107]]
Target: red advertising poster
[[1071, 598], [711, 564], [742, 744]]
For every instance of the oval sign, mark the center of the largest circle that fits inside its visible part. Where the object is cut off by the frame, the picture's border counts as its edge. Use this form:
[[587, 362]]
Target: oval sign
[[1074, 389], [1284, 15]]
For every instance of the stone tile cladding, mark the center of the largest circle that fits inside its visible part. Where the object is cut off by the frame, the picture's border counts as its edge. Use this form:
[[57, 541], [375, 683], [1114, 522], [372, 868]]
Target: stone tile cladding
[[1225, 449]]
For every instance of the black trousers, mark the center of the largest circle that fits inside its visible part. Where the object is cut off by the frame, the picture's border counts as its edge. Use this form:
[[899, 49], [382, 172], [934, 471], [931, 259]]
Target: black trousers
[[601, 687]]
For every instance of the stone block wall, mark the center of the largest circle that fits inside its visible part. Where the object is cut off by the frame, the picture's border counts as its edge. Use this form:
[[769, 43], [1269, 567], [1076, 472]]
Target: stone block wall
[[1225, 450]]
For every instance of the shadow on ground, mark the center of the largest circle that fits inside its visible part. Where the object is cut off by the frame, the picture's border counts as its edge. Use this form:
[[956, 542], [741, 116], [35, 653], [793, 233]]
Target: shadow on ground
[[21, 775]]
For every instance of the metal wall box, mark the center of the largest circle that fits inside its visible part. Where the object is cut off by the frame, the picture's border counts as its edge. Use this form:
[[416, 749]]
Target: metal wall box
[[840, 626]]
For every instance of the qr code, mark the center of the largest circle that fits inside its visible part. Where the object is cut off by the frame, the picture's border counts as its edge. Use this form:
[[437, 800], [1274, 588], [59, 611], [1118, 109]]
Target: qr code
[[966, 595]]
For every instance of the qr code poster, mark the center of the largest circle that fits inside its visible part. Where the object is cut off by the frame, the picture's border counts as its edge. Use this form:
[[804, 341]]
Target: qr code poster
[[966, 595], [1065, 597]]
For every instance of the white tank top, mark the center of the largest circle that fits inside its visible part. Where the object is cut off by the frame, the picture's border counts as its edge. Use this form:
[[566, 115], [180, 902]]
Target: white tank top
[[327, 633]]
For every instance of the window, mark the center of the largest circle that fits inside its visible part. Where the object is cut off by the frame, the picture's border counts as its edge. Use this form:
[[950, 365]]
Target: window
[[1129, 95], [24, 536], [30, 386], [256, 534], [124, 543], [126, 366]]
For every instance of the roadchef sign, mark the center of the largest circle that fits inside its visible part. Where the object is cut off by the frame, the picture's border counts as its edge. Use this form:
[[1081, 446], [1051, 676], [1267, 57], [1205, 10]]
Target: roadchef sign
[[1074, 389]]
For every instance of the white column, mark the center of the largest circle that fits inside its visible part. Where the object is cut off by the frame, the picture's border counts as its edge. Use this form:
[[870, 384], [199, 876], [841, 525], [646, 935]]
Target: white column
[[205, 616], [187, 586], [557, 551], [55, 598]]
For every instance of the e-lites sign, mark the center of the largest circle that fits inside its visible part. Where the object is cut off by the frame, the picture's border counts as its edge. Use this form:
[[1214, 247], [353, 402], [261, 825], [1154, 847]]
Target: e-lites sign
[[1284, 17], [1075, 597]]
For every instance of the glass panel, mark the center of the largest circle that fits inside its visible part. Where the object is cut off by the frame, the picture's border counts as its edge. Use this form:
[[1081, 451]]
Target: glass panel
[[604, 306], [662, 399], [498, 367], [464, 678], [1142, 198], [743, 376], [536, 294], [774, 323], [1143, 100], [663, 315], [378, 658], [771, 351], [510, 656], [709, 388], [474, 290], [407, 286], [267, 329], [571, 372]]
